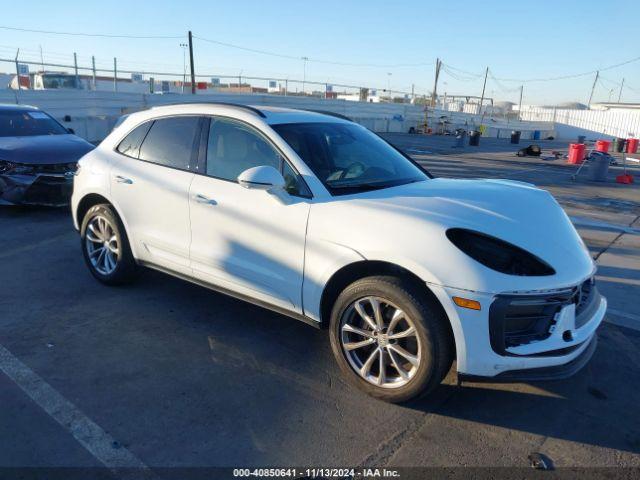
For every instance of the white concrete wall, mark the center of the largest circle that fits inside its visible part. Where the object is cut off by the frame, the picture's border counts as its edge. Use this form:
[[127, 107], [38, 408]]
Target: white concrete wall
[[93, 113], [624, 123]]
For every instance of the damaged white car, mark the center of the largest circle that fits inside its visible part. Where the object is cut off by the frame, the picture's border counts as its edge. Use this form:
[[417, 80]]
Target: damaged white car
[[315, 217]]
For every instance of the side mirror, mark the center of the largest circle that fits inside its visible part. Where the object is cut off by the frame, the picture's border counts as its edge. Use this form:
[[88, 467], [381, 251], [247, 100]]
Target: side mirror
[[262, 178], [71, 131]]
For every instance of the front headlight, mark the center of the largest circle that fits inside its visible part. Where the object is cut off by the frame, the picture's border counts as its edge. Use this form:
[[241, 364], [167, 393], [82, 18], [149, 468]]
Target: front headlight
[[15, 168], [5, 167], [497, 254]]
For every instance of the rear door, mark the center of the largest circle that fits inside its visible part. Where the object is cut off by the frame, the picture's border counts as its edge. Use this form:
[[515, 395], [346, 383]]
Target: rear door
[[150, 183]]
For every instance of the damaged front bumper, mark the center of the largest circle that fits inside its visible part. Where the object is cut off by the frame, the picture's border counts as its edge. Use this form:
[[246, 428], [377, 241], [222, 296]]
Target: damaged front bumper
[[523, 337], [48, 189]]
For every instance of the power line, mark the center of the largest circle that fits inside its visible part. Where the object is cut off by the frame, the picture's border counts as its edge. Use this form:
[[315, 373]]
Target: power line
[[576, 75], [79, 34], [466, 72], [457, 76], [315, 60]]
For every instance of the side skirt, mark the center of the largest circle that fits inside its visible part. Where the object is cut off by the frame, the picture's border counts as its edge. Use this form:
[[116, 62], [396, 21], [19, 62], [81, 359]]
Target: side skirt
[[231, 293]]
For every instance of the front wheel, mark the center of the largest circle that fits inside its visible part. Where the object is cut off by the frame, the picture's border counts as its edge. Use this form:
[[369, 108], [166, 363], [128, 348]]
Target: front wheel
[[390, 339], [105, 246]]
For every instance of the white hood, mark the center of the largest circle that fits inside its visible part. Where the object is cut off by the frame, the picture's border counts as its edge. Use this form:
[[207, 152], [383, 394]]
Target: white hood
[[407, 224]]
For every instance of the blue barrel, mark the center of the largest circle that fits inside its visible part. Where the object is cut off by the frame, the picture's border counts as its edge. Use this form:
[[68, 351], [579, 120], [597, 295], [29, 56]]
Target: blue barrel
[[536, 134]]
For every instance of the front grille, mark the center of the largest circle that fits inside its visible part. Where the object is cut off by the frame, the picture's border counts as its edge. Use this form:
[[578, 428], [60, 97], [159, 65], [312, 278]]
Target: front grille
[[521, 319], [55, 168], [41, 169]]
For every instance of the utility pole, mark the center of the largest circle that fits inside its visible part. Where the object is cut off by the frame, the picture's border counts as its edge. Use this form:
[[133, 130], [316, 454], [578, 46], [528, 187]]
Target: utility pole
[[41, 59], [115, 74], [75, 67], [93, 72], [193, 72], [434, 94], [484, 86], [18, 69], [620, 94], [389, 87], [413, 95], [595, 80], [520, 103]]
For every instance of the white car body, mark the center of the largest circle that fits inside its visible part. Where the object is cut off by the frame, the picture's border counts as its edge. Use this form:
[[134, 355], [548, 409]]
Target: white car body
[[281, 251]]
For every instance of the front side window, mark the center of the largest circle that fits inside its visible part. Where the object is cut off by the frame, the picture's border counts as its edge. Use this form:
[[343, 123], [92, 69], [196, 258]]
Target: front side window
[[234, 147], [28, 123], [171, 142], [348, 158], [130, 145]]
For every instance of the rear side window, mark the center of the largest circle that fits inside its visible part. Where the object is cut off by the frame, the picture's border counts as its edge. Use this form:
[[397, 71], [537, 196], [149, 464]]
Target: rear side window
[[130, 145], [171, 142]]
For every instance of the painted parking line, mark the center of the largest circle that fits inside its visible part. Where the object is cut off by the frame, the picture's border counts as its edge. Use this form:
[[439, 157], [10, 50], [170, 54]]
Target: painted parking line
[[88, 433]]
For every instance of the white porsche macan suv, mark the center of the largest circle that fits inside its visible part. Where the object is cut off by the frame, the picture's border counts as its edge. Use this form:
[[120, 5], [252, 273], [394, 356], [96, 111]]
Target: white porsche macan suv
[[316, 217]]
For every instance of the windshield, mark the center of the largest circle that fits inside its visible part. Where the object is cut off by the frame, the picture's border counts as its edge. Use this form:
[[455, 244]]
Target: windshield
[[347, 157], [21, 123]]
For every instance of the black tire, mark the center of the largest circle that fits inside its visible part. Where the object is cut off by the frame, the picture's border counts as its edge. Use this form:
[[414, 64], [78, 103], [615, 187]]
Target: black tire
[[431, 324], [125, 270]]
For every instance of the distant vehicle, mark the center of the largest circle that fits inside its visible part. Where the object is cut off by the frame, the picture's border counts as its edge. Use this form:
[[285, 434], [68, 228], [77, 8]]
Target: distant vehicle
[[316, 217], [47, 81], [38, 157]]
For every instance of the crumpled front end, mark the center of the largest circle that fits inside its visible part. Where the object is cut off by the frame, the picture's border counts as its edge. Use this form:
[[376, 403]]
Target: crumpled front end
[[47, 185]]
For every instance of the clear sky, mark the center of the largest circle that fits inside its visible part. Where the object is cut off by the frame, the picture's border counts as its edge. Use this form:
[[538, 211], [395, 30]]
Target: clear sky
[[515, 39]]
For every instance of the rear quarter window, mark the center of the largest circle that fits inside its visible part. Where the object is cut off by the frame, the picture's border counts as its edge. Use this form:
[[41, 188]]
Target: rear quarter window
[[130, 145], [171, 142]]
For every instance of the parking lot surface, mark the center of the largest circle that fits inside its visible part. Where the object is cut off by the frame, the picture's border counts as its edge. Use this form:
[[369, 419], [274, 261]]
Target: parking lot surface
[[163, 373]]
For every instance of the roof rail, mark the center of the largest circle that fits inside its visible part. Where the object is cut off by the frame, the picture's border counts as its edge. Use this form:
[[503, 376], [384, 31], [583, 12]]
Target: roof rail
[[226, 104], [331, 114]]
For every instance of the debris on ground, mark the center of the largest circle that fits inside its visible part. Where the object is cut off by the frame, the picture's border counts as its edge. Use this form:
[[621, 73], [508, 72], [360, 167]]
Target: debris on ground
[[540, 461], [530, 151]]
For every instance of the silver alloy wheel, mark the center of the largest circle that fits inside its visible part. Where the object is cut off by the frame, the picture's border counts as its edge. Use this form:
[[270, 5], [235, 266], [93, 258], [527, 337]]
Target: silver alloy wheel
[[380, 342], [102, 246]]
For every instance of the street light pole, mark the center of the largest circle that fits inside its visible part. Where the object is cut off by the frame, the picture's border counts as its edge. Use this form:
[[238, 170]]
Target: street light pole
[[389, 86]]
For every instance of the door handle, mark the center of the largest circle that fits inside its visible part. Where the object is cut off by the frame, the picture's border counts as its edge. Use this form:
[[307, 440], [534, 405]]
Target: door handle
[[121, 179], [199, 198]]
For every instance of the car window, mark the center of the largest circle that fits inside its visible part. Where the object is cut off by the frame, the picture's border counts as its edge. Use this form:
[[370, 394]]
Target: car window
[[348, 158], [293, 182], [130, 145], [234, 147], [171, 142], [28, 123]]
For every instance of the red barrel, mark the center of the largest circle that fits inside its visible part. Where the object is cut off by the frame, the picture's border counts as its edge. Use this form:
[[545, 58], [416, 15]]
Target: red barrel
[[632, 145], [576, 153], [603, 146]]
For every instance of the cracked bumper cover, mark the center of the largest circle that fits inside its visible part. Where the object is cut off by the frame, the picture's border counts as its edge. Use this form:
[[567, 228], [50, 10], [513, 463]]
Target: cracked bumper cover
[[550, 358]]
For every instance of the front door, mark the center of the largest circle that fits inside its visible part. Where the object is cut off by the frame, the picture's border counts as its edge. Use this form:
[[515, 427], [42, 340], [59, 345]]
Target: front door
[[248, 241]]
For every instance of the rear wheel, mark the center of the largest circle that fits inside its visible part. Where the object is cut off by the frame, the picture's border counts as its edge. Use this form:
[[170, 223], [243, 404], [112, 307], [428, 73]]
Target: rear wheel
[[390, 339], [105, 246]]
